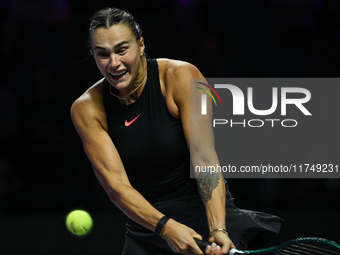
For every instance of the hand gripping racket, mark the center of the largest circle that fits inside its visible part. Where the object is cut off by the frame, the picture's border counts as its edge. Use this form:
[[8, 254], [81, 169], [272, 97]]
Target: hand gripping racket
[[298, 246]]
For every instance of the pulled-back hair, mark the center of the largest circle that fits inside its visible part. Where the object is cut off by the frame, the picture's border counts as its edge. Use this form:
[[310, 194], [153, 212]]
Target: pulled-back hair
[[107, 17]]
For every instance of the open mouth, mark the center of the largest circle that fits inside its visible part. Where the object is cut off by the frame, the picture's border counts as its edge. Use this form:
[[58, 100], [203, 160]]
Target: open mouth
[[118, 75]]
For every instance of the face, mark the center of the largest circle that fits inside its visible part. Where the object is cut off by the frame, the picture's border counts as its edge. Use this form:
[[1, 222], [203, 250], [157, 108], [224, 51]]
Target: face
[[118, 55]]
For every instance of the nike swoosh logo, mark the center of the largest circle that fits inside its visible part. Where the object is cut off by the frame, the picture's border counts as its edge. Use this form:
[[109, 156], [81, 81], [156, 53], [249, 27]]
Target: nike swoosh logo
[[130, 122]]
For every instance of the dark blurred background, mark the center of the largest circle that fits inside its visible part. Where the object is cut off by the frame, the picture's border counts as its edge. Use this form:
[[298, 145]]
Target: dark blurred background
[[45, 66]]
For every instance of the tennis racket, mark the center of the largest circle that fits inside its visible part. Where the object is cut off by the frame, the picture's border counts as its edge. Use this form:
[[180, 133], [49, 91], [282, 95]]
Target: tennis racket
[[298, 246]]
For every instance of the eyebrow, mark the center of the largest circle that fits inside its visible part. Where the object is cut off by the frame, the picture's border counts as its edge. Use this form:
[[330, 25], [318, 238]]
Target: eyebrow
[[116, 46]]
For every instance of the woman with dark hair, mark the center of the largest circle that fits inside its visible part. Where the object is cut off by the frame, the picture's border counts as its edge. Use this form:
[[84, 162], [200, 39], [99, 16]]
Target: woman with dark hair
[[135, 127]]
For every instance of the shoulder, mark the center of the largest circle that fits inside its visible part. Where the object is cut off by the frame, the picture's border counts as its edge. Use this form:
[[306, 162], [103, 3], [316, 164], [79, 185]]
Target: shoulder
[[176, 70], [176, 76], [89, 107], [90, 99]]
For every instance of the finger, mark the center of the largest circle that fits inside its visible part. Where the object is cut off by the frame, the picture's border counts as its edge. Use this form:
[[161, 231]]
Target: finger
[[197, 236], [208, 249], [226, 248], [218, 250], [196, 249], [225, 251], [193, 247], [215, 249]]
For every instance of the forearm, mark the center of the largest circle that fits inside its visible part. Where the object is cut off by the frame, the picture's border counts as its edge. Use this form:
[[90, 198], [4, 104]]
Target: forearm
[[132, 204], [213, 193], [110, 172], [211, 186]]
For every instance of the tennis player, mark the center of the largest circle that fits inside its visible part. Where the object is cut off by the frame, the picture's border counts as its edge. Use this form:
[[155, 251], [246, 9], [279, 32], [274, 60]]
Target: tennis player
[[135, 127]]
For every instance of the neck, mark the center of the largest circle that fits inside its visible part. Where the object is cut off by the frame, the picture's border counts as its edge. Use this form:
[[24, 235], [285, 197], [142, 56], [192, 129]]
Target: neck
[[139, 81], [135, 89]]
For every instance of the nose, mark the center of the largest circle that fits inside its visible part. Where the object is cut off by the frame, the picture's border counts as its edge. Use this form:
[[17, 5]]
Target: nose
[[114, 61]]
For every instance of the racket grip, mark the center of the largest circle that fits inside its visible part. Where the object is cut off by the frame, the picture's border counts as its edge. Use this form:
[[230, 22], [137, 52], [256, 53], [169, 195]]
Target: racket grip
[[234, 252], [202, 244]]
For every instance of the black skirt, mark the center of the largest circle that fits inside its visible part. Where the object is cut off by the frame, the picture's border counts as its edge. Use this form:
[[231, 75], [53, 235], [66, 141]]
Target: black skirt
[[245, 228]]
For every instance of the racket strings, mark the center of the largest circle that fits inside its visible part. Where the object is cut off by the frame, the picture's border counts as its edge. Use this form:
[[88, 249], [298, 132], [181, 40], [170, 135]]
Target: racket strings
[[308, 249]]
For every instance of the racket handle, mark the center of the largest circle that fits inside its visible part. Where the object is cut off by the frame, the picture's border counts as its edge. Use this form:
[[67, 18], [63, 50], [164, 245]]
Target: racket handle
[[202, 244], [234, 251]]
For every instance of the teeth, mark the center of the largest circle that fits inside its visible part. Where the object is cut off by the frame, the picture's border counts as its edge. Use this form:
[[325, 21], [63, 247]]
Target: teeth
[[116, 74]]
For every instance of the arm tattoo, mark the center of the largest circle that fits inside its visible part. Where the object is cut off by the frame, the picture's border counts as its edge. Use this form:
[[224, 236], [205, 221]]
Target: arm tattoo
[[207, 182]]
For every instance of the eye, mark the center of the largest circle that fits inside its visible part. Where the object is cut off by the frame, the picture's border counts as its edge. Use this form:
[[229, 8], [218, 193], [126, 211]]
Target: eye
[[122, 51], [103, 54]]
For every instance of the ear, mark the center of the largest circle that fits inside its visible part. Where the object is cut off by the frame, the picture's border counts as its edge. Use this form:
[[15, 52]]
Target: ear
[[141, 46]]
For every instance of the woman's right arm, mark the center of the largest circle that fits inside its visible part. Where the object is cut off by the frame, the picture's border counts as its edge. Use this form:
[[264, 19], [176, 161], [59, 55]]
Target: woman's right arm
[[87, 116]]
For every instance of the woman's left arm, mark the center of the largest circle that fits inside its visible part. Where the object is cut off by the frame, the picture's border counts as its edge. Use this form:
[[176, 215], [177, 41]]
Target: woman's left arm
[[200, 139]]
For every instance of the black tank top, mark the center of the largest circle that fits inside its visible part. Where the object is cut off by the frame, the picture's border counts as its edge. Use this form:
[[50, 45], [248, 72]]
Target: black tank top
[[150, 142]]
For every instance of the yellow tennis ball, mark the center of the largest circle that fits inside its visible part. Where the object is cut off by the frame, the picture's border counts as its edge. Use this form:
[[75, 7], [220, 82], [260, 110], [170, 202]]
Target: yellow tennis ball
[[79, 222]]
